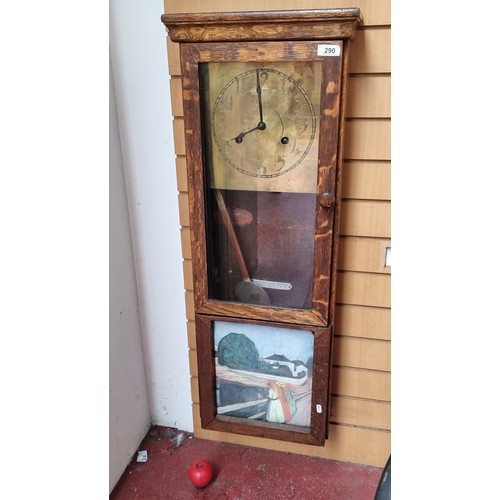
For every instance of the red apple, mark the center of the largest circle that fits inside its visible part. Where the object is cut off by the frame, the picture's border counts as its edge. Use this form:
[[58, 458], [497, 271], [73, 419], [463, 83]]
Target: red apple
[[200, 473]]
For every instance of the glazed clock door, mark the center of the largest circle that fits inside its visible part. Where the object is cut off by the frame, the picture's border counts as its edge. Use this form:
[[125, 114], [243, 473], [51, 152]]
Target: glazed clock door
[[265, 161]]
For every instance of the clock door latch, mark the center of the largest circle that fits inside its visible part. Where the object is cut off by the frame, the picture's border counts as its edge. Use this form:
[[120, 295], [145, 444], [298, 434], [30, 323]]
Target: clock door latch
[[326, 199]]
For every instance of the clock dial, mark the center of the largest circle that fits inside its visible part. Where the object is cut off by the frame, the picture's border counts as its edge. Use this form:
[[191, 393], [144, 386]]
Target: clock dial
[[263, 122]]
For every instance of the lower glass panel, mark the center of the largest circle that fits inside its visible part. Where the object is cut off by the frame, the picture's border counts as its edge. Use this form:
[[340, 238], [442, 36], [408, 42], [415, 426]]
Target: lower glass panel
[[263, 373]]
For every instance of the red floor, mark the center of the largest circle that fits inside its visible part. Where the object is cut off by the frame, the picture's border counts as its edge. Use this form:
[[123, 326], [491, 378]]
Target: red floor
[[240, 473]]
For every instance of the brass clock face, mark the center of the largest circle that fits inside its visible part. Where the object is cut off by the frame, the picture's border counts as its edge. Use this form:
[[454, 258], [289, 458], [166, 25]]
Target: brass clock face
[[263, 120]]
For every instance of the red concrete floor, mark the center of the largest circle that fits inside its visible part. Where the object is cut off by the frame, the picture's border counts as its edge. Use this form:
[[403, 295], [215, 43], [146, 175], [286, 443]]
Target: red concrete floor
[[240, 473]]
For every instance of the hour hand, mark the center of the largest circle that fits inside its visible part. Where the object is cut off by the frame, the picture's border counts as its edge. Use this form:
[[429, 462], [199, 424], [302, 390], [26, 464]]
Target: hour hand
[[239, 138]]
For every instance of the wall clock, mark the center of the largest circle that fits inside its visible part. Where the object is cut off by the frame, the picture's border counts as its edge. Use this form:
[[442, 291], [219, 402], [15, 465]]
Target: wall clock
[[264, 98]]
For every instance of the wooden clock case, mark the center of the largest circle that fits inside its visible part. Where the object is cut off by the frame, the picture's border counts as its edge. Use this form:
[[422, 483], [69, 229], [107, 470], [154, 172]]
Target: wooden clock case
[[305, 310]]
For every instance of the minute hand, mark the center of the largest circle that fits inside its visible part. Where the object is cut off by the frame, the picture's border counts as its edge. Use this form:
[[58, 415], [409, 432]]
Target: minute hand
[[259, 97]]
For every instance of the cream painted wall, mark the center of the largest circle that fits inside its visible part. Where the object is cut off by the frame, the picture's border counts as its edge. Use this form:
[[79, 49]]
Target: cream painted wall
[[129, 416], [139, 63]]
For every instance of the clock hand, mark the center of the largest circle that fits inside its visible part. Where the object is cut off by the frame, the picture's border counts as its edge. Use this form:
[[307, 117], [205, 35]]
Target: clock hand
[[261, 125], [239, 138], [259, 97]]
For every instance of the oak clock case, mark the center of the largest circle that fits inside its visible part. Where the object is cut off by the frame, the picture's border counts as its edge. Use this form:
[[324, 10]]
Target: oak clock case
[[263, 128]]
